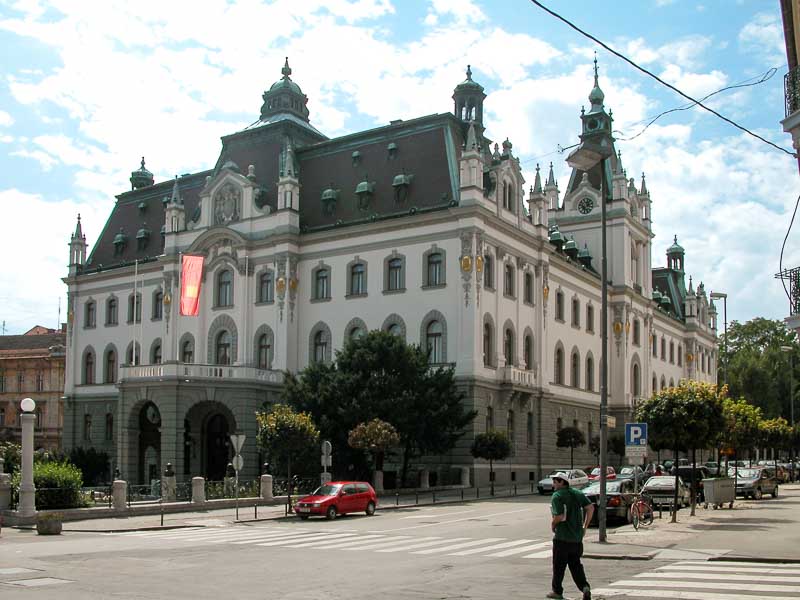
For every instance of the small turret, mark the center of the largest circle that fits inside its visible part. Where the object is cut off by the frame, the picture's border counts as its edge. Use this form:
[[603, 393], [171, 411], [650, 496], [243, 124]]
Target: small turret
[[174, 212], [468, 100], [618, 180], [141, 177], [77, 249], [551, 190], [536, 201], [288, 182]]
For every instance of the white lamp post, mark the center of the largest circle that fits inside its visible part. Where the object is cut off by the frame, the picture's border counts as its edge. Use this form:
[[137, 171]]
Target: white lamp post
[[27, 489], [584, 157]]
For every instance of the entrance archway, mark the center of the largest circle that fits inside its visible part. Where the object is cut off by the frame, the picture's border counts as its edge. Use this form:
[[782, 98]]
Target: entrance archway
[[149, 459], [217, 447]]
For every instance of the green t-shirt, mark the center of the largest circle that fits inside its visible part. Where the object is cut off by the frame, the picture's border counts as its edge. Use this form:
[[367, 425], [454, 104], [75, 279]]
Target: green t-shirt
[[572, 501]]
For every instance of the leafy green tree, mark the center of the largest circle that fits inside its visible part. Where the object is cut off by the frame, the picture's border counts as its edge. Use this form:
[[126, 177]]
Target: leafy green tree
[[776, 435], [283, 433], [492, 445], [616, 445], [757, 369], [741, 430], [594, 448], [376, 437], [570, 437], [93, 464], [380, 376]]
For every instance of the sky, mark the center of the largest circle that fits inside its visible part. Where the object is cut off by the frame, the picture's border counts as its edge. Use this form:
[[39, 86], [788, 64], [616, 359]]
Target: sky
[[88, 88]]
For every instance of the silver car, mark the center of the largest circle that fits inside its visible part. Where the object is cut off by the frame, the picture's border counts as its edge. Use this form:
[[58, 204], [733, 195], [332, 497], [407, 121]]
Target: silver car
[[577, 479], [662, 490]]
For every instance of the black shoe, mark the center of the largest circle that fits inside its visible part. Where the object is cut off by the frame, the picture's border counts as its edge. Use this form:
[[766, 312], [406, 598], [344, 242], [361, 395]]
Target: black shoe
[[587, 593]]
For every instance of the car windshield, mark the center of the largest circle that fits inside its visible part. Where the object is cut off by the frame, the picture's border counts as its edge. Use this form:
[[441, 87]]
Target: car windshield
[[748, 473], [660, 481], [327, 490], [555, 473], [611, 486], [596, 471], [627, 471]]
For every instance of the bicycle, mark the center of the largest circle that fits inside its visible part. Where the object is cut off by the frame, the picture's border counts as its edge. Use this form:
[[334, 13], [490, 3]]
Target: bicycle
[[641, 511]]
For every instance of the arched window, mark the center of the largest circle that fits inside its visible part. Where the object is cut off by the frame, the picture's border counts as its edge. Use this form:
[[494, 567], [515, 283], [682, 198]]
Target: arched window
[[508, 346], [576, 312], [559, 306], [636, 332], [90, 316], [111, 367], [590, 318], [435, 269], [672, 352], [264, 356], [663, 383], [222, 348], [655, 345], [590, 373], [112, 311], [527, 350], [225, 288], [134, 354], [575, 370], [88, 368], [158, 305], [488, 350], [394, 274], [187, 352], [356, 332], [488, 272], [135, 308], [680, 355], [671, 382], [635, 381], [155, 359], [322, 289], [266, 287], [358, 279], [508, 281], [433, 342], [558, 366], [663, 348], [320, 346], [395, 329], [655, 384]]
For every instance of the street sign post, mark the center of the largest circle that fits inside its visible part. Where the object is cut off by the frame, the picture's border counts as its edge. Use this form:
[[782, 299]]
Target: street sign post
[[636, 434], [326, 460], [237, 441]]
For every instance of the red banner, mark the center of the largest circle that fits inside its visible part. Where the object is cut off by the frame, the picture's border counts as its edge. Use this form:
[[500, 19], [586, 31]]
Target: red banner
[[191, 274]]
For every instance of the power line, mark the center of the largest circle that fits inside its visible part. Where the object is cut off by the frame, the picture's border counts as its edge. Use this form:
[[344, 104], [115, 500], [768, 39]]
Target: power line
[[657, 78], [783, 247]]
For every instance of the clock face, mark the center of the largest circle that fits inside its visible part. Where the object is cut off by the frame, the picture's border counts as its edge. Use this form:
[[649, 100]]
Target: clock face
[[152, 414], [585, 206]]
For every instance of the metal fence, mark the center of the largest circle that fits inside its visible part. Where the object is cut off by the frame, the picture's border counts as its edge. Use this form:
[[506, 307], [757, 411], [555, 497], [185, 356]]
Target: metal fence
[[791, 88], [226, 489]]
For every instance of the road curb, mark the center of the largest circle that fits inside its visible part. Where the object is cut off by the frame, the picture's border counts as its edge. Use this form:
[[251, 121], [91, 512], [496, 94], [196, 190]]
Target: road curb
[[755, 559], [648, 556], [124, 530]]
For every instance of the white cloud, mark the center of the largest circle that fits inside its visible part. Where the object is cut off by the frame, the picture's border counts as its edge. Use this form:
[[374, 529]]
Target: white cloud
[[45, 160], [686, 51], [764, 35], [462, 11], [5, 119], [695, 85]]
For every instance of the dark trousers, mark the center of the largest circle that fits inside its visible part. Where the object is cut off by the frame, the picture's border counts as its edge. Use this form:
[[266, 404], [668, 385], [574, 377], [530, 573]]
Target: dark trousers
[[568, 554]]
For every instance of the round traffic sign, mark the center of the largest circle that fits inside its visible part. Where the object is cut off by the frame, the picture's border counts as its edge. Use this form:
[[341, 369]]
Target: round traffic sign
[[237, 462]]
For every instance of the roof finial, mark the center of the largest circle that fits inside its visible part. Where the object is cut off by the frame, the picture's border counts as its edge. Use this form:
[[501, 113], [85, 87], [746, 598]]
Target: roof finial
[[143, 162], [469, 72], [537, 182], [643, 190], [551, 180], [286, 70], [595, 69]]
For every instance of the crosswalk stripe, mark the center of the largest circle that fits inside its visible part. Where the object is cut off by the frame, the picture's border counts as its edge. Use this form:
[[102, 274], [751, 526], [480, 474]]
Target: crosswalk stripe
[[337, 545], [418, 544], [520, 550], [325, 540], [459, 546], [382, 544], [694, 585], [737, 563], [273, 537], [545, 554], [222, 535], [683, 595], [710, 567], [306, 538], [493, 547], [727, 576]]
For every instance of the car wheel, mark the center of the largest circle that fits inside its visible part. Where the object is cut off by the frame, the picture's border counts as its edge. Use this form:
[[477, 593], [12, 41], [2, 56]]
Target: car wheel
[[775, 492], [757, 494], [303, 517], [330, 514], [370, 509]]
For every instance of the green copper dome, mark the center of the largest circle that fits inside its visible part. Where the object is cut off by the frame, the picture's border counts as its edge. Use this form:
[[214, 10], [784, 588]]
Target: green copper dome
[[676, 248], [656, 296], [469, 83]]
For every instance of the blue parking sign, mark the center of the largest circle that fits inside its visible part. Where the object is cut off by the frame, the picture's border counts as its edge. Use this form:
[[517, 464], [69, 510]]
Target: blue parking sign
[[636, 434]]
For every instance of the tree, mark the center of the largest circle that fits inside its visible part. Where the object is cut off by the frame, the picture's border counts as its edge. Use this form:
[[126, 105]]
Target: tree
[[570, 437], [757, 369], [376, 437], [594, 448], [379, 376], [492, 445], [741, 425], [282, 433], [776, 435], [616, 444]]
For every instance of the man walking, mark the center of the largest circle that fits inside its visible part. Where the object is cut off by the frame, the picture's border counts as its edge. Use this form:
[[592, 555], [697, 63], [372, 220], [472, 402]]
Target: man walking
[[572, 512]]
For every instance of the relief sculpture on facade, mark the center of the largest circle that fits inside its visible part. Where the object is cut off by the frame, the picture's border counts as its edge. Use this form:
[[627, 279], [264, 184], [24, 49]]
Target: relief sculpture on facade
[[227, 202]]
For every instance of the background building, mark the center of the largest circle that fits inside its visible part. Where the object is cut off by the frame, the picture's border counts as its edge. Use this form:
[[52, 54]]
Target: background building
[[422, 228], [32, 366]]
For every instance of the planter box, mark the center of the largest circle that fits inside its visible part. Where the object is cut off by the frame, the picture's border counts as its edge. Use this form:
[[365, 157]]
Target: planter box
[[48, 526]]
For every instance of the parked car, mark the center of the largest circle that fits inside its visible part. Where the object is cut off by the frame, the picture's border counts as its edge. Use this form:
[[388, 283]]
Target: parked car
[[619, 497], [338, 498], [654, 469], [756, 482], [662, 490], [595, 474], [632, 472], [713, 467], [700, 473], [577, 479]]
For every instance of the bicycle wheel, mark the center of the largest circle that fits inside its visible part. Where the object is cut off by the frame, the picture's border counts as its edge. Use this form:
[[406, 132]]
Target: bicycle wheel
[[647, 515], [635, 516]]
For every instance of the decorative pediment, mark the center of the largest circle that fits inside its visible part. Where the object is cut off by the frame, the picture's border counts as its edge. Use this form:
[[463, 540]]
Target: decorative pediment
[[227, 203]]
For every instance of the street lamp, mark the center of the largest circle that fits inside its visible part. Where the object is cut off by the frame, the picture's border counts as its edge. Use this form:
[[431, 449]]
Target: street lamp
[[27, 489], [724, 297], [584, 157], [790, 350]]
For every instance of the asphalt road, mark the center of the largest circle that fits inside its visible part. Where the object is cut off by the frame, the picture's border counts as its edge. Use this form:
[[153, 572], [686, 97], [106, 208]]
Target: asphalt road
[[492, 549]]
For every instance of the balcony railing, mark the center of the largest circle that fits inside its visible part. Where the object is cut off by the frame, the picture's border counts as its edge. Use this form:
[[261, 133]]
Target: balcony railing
[[791, 89], [198, 371], [519, 377]]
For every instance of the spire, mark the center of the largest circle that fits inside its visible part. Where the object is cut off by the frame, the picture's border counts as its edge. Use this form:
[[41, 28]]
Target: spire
[[176, 193], [643, 191], [289, 166], [287, 70], [537, 182], [78, 229], [472, 140], [620, 170], [596, 96], [691, 291], [551, 180]]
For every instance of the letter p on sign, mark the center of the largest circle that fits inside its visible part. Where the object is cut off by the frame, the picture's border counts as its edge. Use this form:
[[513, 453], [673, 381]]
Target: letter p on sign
[[635, 434]]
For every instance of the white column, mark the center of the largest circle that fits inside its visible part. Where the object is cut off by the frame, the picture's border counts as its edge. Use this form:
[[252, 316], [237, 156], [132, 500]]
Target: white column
[[27, 490]]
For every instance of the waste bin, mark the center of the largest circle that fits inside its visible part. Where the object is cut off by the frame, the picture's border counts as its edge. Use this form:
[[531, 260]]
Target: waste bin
[[719, 491]]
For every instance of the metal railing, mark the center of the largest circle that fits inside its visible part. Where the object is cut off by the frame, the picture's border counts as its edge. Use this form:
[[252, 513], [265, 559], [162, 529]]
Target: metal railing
[[791, 88], [200, 371], [520, 377]]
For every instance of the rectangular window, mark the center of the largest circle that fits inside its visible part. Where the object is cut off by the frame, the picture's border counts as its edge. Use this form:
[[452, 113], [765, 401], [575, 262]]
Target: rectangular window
[[20, 382], [321, 287], [663, 349], [91, 318], [358, 280], [39, 382], [87, 427], [266, 291], [158, 306], [508, 281], [655, 346], [111, 312], [2, 383], [135, 307], [576, 313], [528, 297], [559, 306], [394, 274], [529, 435], [435, 269]]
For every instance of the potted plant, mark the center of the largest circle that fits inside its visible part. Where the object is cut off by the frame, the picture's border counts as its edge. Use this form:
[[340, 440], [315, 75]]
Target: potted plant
[[49, 523]]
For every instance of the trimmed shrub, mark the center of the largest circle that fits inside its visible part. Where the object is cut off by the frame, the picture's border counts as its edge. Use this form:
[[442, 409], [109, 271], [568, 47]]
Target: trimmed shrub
[[58, 485]]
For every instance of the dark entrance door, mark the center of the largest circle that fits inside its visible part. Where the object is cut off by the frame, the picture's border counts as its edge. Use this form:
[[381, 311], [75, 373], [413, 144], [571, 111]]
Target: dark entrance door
[[149, 443], [217, 444]]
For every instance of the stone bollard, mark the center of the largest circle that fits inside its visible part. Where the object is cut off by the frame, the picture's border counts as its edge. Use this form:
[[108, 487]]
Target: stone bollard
[[266, 487], [465, 476], [119, 491], [377, 481], [198, 490], [424, 479], [168, 486]]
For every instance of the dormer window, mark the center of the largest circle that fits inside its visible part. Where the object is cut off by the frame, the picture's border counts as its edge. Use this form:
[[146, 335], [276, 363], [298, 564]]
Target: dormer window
[[120, 241], [142, 238], [142, 207], [329, 198], [401, 183], [392, 150], [356, 156], [364, 193]]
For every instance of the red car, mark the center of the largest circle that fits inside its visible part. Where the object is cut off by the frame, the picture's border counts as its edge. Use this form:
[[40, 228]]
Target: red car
[[595, 474], [338, 498]]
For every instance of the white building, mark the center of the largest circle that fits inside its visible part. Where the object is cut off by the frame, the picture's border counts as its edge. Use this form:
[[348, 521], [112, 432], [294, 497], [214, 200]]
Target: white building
[[421, 227]]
